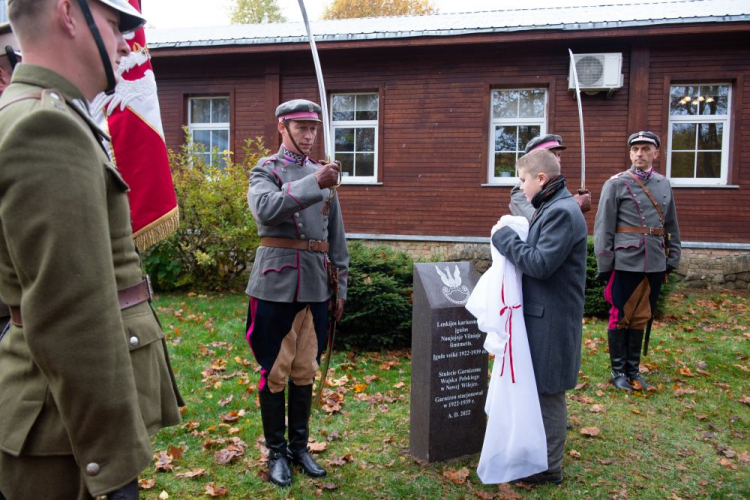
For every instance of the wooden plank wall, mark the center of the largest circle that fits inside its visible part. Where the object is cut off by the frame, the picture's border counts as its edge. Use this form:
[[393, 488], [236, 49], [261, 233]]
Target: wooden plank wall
[[435, 113]]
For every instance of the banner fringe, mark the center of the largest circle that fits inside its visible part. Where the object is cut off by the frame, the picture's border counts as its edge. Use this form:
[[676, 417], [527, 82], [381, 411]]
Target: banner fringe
[[158, 230]]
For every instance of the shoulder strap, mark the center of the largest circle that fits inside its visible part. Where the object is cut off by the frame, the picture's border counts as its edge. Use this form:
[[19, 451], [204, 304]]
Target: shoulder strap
[[650, 196], [22, 97]]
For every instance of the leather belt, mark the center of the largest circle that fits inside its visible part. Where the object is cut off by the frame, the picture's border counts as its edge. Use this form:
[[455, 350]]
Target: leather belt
[[309, 245], [128, 297], [655, 231]]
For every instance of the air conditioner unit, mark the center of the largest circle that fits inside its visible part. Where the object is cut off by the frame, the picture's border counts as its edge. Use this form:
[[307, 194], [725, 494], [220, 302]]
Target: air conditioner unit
[[597, 72]]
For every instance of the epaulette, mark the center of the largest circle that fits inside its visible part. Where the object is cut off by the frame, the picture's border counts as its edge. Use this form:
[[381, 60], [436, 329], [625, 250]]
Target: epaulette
[[51, 98], [618, 175]]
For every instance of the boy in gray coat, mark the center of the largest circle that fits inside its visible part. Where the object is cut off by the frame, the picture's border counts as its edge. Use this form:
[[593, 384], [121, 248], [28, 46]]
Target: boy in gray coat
[[553, 263]]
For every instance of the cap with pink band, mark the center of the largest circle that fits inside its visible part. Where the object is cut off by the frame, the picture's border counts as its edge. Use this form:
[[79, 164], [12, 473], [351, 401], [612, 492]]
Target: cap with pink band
[[302, 115], [548, 145]]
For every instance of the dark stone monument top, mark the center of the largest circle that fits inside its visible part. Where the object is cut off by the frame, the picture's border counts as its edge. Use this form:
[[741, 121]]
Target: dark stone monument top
[[449, 364]]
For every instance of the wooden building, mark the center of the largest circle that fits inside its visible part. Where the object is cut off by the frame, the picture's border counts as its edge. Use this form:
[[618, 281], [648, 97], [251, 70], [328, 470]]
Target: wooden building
[[429, 113]]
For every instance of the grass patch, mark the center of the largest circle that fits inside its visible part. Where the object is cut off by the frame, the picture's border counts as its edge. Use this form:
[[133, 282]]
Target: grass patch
[[687, 440]]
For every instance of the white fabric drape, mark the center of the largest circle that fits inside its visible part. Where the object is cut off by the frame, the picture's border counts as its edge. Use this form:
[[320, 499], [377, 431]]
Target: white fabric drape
[[515, 444]]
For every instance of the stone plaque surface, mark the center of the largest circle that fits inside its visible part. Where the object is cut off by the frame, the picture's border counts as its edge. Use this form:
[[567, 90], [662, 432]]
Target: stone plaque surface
[[449, 364]]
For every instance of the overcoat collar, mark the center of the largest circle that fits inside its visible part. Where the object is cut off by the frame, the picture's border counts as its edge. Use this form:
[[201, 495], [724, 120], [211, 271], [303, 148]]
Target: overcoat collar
[[559, 195]]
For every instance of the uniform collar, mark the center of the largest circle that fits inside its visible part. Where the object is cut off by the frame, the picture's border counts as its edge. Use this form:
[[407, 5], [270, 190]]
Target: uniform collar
[[293, 157], [643, 175], [40, 76]]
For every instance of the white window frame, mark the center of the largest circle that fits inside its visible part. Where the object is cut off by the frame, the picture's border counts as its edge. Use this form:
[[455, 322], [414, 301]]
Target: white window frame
[[356, 179], [213, 126], [725, 120], [495, 122]]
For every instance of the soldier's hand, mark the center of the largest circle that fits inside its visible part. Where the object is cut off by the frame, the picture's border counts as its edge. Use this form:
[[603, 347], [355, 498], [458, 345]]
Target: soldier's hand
[[583, 200], [328, 175], [339, 311]]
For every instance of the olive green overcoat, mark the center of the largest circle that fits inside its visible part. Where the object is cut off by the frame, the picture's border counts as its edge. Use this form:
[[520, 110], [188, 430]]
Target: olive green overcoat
[[80, 376]]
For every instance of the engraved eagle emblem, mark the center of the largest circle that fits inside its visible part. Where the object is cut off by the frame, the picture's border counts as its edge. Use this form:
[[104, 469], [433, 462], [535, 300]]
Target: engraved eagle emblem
[[452, 289]]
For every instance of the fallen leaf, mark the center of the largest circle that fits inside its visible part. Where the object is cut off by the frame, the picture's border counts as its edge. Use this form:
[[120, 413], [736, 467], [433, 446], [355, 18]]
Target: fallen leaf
[[574, 454], [146, 484], [725, 462], [744, 400], [581, 386], [484, 495], [684, 390], [507, 492], [176, 452], [399, 385], [214, 490], [163, 462], [163, 495], [597, 409], [729, 453], [230, 417], [329, 486], [316, 447], [360, 388], [590, 431], [686, 372], [457, 476], [226, 401], [371, 378], [190, 474], [744, 458]]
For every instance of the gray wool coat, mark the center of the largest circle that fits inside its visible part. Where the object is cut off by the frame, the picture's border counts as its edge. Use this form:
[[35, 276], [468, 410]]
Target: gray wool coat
[[286, 201], [553, 263]]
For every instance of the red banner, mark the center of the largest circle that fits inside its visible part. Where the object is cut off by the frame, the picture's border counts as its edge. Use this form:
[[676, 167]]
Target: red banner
[[138, 149]]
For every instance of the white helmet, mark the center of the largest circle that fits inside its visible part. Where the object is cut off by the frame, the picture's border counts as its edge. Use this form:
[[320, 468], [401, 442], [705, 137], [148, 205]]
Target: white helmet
[[130, 18]]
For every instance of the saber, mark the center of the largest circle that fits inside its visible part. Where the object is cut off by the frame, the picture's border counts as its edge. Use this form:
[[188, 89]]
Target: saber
[[329, 157], [580, 120], [321, 84]]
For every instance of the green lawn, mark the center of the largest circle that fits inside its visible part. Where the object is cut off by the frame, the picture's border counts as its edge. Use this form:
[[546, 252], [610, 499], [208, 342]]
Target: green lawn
[[690, 439]]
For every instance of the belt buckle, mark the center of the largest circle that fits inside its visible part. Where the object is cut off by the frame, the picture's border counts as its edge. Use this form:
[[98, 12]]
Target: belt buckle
[[651, 230], [309, 245], [150, 288]]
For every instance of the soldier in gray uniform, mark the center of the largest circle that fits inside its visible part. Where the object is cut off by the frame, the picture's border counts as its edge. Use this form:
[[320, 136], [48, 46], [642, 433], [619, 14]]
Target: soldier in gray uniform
[[302, 239], [519, 205], [637, 241]]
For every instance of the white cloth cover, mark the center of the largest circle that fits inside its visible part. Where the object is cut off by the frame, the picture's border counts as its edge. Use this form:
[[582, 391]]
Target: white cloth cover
[[515, 445]]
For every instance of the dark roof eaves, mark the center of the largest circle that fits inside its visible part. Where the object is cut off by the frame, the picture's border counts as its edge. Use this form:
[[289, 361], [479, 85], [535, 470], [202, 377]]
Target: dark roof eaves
[[449, 33]]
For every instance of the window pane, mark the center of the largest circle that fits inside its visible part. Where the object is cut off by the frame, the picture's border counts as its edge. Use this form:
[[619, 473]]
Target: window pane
[[342, 107], [715, 100], [220, 140], [365, 164], [220, 110], [683, 165], [505, 104], [344, 140], [526, 133], [683, 136], [202, 137], [505, 164], [505, 138], [347, 163], [367, 107], [365, 139], [532, 103], [709, 136], [684, 100], [206, 157], [709, 165], [200, 111]]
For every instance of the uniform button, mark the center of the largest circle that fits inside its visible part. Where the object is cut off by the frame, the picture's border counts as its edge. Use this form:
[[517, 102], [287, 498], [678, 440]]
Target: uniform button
[[296, 214], [302, 236], [283, 170], [93, 469], [54, 96], [299, 224], [134, 341]]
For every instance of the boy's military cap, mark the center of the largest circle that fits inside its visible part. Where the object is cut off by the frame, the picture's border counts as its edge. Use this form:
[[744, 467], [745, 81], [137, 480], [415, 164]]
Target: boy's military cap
[[549, 141], [644, 136], [299, 109]]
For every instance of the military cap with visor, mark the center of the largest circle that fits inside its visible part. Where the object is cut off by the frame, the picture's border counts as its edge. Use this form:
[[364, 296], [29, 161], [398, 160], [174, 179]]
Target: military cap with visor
[[548, 141], [644, 136], [299, 109]]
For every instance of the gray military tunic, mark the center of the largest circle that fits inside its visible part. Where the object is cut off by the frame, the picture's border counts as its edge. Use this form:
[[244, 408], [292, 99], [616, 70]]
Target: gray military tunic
[[286, 201], [624, 203], [519, 205]]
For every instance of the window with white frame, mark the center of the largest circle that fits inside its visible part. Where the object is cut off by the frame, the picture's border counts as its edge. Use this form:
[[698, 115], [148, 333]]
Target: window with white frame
[[354, 130], [208, 122], [698, 145], [517, 116]]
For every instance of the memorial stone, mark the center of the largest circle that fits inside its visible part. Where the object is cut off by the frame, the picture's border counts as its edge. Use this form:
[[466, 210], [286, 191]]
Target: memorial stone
[[449, 364]]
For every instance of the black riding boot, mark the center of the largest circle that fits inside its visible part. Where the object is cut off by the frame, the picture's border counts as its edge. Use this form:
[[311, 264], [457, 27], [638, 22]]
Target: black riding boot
[[633, 361], [272, 414], [617, 356], [300, 402]]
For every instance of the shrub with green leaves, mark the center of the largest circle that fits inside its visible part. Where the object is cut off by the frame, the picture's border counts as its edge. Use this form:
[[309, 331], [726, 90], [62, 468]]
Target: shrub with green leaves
[[215, 245], [379, 299]]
